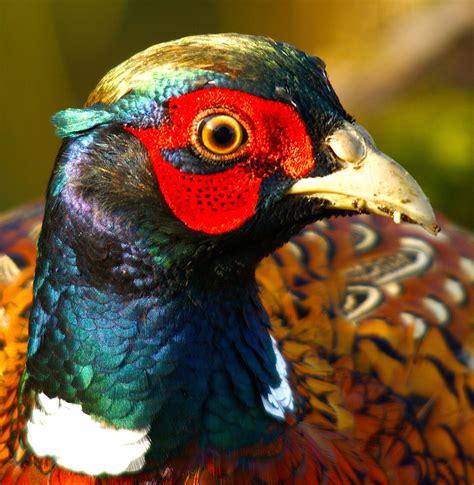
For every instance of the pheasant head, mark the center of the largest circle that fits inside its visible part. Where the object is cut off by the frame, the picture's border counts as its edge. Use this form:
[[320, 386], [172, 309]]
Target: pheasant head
[[190, 162]]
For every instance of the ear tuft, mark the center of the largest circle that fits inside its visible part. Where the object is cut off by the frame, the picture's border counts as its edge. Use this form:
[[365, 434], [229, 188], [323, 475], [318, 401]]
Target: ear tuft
[[72, 122]]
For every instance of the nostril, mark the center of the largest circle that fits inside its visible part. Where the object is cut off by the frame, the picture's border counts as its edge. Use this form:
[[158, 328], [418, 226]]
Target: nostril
[[347, 145]]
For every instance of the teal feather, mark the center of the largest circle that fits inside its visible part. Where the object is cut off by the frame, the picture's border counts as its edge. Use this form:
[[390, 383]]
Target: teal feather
[[72, 122]]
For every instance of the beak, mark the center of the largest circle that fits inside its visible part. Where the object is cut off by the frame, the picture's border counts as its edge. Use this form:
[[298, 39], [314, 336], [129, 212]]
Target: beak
[[369, 181]]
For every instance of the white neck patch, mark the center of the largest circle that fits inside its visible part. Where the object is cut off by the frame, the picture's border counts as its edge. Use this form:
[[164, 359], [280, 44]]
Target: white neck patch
[[78, 442], [279, 399]]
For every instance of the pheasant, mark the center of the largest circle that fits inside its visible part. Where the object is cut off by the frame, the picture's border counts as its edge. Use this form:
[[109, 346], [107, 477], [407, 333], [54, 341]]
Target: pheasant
[[199, 313]]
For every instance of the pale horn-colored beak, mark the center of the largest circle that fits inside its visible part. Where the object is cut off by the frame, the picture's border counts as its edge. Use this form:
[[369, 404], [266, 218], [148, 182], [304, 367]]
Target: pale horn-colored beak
[[369, 181]]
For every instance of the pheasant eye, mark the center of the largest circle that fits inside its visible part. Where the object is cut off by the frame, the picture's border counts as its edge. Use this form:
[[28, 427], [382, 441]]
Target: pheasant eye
[[220, 135]]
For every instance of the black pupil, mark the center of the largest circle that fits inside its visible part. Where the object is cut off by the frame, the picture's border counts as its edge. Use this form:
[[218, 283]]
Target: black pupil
[[224, 135]]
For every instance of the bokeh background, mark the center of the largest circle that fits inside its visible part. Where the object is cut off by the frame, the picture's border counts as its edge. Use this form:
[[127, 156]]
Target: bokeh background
[[404, 68]]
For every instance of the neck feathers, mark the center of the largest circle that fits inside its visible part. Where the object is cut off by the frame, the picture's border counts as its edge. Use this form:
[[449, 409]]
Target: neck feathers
[[199, 365]]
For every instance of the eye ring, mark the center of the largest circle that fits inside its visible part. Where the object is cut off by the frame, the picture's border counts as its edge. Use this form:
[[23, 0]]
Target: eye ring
[[219, 136]]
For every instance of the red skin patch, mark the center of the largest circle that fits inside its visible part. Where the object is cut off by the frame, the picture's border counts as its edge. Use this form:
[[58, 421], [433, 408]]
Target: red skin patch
[[220, 202]]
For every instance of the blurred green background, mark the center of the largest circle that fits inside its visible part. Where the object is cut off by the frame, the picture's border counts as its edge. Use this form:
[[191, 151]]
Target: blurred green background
[[404, 68]]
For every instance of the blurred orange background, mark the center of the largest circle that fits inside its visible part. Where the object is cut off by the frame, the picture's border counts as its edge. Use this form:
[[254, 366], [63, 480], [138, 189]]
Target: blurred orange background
[[403, 68]]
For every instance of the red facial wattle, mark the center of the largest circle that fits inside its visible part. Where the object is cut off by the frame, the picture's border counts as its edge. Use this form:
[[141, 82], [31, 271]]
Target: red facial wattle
[[219, 202]]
